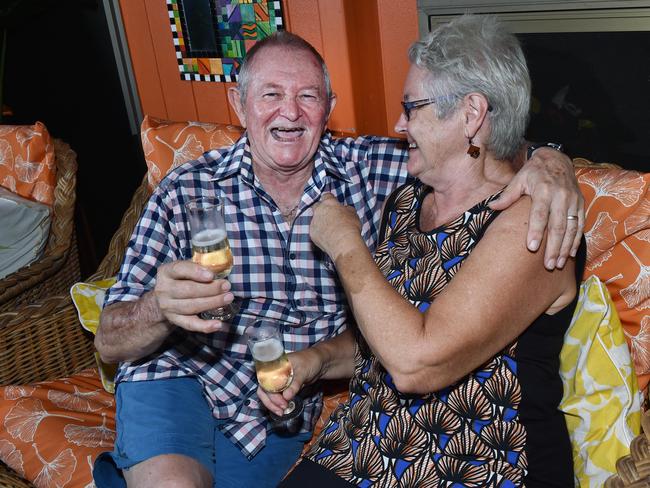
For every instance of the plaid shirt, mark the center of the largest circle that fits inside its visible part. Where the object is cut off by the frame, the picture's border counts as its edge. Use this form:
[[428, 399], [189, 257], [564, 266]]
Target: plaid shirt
[[278, 273]]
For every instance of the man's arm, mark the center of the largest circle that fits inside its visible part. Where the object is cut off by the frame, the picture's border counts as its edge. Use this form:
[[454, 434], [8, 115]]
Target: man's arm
[[549, 178], [132, 330]]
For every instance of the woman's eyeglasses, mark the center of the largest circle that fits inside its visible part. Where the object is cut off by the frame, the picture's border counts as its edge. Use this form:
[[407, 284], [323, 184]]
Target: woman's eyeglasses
[[409, 106]]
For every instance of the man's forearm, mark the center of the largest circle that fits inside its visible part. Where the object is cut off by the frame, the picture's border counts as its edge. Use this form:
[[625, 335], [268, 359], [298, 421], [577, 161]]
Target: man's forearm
[[520, 158], [131, 330], [546, 150]]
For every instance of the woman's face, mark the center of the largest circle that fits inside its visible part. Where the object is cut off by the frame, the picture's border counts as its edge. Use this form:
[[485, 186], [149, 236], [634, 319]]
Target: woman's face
[[434, 143]]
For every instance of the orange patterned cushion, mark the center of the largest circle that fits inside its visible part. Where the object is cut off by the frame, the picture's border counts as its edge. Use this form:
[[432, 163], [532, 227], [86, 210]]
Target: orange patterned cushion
[[27, 161], [617, 230], [169, 144], [53, 431]]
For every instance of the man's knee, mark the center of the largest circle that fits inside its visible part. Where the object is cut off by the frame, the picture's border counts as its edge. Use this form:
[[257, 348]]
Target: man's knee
[[168, 471]]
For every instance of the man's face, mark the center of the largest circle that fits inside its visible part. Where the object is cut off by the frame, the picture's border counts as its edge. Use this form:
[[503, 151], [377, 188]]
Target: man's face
[[286, 109]]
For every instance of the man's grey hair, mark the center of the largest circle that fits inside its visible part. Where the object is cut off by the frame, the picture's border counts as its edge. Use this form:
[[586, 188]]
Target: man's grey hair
[[286, 40], [475, 53]]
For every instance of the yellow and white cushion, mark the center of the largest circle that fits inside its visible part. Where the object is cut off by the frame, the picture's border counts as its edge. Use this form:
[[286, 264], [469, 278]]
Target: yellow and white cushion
[[88, 298], [601, 401]]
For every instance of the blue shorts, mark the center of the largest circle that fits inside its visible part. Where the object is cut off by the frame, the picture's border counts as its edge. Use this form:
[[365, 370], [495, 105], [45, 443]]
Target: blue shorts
[[171, 416]]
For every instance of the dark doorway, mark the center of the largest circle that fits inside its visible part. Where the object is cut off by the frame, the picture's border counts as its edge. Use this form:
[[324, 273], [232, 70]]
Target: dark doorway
[[591, 92], [60, 70]]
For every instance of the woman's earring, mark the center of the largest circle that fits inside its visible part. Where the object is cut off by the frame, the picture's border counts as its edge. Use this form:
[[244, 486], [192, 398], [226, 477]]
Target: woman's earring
[[472, 150]]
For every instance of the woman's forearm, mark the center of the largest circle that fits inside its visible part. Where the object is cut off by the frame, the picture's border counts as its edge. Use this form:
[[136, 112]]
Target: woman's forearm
[[336, 356], [388, 322]]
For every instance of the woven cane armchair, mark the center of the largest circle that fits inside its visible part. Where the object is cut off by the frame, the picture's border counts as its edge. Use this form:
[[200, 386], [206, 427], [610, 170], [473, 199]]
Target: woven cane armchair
[[58, 267], [44, 341]]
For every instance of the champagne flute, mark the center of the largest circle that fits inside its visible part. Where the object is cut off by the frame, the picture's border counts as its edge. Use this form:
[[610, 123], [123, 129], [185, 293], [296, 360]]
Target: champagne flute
[[274, 371], [210, 247]]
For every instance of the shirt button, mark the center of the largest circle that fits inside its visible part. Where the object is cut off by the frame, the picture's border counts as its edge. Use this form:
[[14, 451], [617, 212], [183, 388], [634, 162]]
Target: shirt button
[[247, 402], [292, 255]]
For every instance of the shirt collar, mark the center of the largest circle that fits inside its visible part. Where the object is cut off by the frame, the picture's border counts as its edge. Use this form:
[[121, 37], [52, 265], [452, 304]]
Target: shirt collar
[[325, 159], [237, 159], [233, 160]]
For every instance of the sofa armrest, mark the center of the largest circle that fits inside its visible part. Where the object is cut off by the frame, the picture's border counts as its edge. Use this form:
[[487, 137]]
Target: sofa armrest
[[43, 341]]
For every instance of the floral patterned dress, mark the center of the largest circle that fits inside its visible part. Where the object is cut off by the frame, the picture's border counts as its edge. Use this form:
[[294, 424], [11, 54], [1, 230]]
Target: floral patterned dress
[[469, 434]]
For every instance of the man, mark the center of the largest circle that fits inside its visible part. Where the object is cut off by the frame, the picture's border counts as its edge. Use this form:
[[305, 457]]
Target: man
[[187, 410]]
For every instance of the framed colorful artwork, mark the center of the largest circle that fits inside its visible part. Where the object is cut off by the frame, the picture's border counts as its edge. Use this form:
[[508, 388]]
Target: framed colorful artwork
[[211, 37]]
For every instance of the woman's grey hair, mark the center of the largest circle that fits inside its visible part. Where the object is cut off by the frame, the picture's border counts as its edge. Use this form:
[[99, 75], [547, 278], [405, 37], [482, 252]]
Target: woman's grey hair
[[286, 40], [476, 54]]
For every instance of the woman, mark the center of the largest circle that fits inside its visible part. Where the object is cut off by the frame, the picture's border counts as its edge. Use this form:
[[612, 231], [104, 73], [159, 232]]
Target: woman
[[454, 381]]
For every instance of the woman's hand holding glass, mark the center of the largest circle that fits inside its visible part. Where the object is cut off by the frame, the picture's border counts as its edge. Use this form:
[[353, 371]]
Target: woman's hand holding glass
[[307, 368], [280, 379]]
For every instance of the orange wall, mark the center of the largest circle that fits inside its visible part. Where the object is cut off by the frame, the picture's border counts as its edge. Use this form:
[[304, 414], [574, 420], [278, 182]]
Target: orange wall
[[363, 42]]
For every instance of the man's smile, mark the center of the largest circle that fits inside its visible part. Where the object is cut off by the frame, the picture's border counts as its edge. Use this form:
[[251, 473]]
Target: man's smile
[[287, 134]]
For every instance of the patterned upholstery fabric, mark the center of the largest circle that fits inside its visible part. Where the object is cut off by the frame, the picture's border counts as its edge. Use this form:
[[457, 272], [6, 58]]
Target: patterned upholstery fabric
[[169, 144], [617, 230], [54, 430], [27, 161]]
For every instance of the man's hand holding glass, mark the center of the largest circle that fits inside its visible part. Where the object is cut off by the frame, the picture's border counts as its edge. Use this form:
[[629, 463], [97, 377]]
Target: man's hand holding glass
[[194, 294]]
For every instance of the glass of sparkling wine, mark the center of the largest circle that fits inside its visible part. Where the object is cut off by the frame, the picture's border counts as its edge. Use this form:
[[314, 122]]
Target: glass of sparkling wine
[[274, 371], [210, 247]]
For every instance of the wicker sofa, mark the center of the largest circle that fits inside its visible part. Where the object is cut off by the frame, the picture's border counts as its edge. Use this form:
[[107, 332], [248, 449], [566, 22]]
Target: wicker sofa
[[58, 267], [43, 341]]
